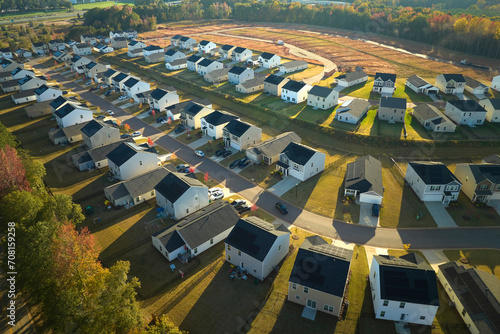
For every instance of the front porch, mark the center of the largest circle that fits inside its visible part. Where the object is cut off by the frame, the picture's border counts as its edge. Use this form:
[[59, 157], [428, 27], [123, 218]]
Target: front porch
[[282, 167]]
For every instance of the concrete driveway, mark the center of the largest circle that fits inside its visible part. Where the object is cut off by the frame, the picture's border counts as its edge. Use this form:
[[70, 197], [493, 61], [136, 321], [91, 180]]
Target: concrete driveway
[[435, 257], [199, 142], [284, 185], [365, 215], [440, 215], [495, 205], [371, 251]]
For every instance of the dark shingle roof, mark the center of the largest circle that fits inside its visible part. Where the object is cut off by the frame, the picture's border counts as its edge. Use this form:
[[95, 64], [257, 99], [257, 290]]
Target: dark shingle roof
[[294, 86], [92, 127], [184, 38], [194, 58], [365, 174], [158, 94], [120, 77], [467, 105], [65, 110], [110, 72], [392, 102], [100, 153], [237, 128], [82, 46], [42, 89], [495, 103], [239, 49], [298, 153], [226, 47], [205, 62], [73, 130], [454, 77], [321, 266], [407, 279], [152, 48], [204, 42], [193, 108], [267, 55], [275, 79], [124, 152], [130, 82], [120, 39], [171, 52], [486, 172], [145, 183], [237, 70], [174, 185], [385, 76], [24, 80], [320, 91], [254, 237], [433, 172], [275, 145], [178, 62], [217, 118]]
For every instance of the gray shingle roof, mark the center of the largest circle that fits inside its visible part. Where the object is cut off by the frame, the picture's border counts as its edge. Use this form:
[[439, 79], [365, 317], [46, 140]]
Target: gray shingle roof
[[294, 63], [473, 83], [298, 153], [174, 185], [274, 79], [467, 105], [178, 62], [365, 174], [73, 130], [427, 111], [392, 102], [320, 91], [276, 145], [257, 81], [356, 107], [417, 81], [351, 76], [433, 172], [145, 183]]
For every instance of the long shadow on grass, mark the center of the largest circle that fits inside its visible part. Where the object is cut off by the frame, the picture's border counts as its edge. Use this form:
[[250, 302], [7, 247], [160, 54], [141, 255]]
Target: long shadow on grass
[[411, 206], [290, 320]]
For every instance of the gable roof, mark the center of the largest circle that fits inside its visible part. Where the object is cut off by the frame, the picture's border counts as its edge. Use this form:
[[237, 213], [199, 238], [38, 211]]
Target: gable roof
[[59, 101], [109, 73], [205, 62], [467, 105], [495, 103], [237, 128], [276, 145], [93, 127], [294, 86], [417, 81], [120, 77], [351, 76], [218, 73], [226, 47], [73, 130], [473, 83], [204, 42], [67, 109], [385, 76], [174, 185], [237, 70], [320, 91], [298, 153], [38, 44], [184, 38], [484, 172], [194, 58], [24, 80], [454, 77], [217, 117], [257, 81], [100, 153], [42, 89], [433, 172], [322, 266], [427, 111], [123, 152], [82, 45], [275, 79], [131, 82], [176, 36], [171, 52], [158, 94], [239, 49], [152, 48], [392, 102], [267, 55], [365, 174], [356, 107], [294, 63], [193, 108], [178, 62], [492, 159], [407, 279], [254, 237]]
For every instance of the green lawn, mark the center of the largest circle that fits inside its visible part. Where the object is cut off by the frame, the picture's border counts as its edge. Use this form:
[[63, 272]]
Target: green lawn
[[485, 260], [104, 4], [262, 174], [362, 90], [227, 161], [308, 114], [390, 130], [466, 214], [414, 129], [369, 124], [402, 91]]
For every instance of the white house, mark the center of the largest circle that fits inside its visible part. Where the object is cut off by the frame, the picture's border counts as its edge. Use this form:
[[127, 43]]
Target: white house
[[108, 76], [269, 151], [45, 93], [196, 233], [96, 134], [269, 60], [257, 246], [134, 86], [173, 54], [432, 118], [175, 111], [24, 96], [251, 86], [207, 65], [6, 53], [71, 114], [130, 33], [61, 56], [57, 45], [93, 68], [96, 157], [119, 43], [480, 182], [322, 97], [351, 78], [7, 65], [352, 111], [136, 45], [475, 87], [30, 82], [363, 180], [492, 107], [40, 48], [384, 83], [193, 113], [206, 46], [241, 54], [192, 62], [240, 135], [295, 91], [119, 79], [57, 103], [176, 64], [300, 161], [175, 40], [238, 74], [465, 286], [212, 125], [78, 62], [465, 112], [185, 42], [129, 160], [103, 48], [226, 51], [89, 39], [160, 99], [432, 182], [82, 49], [495, 83], [150, 49], [404, 289], [23, 53], [293, 66], [420, 86], [116, 33], [320, 277], [450, 83]]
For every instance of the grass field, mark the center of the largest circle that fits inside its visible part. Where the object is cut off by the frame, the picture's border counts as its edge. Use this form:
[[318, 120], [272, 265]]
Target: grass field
[[103, 4], [485, 260]]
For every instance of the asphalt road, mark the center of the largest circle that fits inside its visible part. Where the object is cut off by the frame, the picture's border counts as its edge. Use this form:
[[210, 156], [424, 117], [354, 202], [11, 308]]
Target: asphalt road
[[424, 238]]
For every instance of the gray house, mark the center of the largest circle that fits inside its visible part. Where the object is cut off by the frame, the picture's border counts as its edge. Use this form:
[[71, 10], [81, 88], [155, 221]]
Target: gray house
[[392, 109], [269, 151], [97, 133], [240, 135], [273, 84], [363, 179], [433, 119]]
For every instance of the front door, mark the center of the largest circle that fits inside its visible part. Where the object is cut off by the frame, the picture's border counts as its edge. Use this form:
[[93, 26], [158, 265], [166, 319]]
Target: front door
[[402, 317], [311, 303], [242, 265]]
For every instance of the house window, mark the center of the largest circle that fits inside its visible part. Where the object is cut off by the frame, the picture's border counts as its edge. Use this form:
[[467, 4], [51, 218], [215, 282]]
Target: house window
[[306, 289], [153, 193], [255, 270], [294, 286], [81, 116], [228, 247], [140, 163], [386, 302], [137, 199], [479, 121], [239, 253], [312, 164], [211, 241], [161, 250], [295, 166], [195, 250], [483, 187], [382, 314], [422, 317], [229, 257], [187, 210], [279, 247], [464, 312], [435, 188], [297, 297], [402, 305], [328, 308]]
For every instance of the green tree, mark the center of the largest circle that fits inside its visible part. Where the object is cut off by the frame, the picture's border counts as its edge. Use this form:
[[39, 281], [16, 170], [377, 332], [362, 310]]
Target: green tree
[[163, 325]]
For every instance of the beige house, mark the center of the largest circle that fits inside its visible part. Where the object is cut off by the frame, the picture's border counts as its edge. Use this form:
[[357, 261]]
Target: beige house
[[193, 113], [480, 182], [251, 86], [217, 76], [119, 43], [68, 135], [293, 66], [322, 97], [269, 151], [433, 119], [240, 135], [450, 83], [323, 288], [97, 133], [154, 58], [273, 84], [392, 109], [492, 107], [38, 109]]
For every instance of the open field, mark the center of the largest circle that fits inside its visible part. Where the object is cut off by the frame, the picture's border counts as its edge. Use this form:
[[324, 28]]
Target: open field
[[103, 4]]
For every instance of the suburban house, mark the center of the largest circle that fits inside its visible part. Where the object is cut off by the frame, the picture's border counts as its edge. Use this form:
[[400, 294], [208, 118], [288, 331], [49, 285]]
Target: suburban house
[[491, 159], [432, 182], [23, 53], [103, 39], [474, 294], [67, 135], [128, 160], [212, 125], [465, 112], [137, 189], [300, 161], [154, 58], [135, 53], [7, 76], [351, 78], [176, 64], [322, 97], [475, 87], [320, 277], [174, 111], [206, 66], [432, 118], [30, 82], [38, 109], [173, 54], [10, 86], [217, 76], [76, 62], [193, 113], [57, 103], [116, 33], [269, 60], [257, 246], [6, 53], [40, 48], [481, 183], [269, 151], [215, 52], [45, 93], [150, 49], [186, 42], [57, 45], [495, 83], [241, 54], [61, 56], [384, 83], [119, 43], [363, 180], [226, 51], [89, 39], [450, 83], [71, 113], [251, 86], [192, 62], [492, 107], [119, 79], [404, 289], [131, 33], [136, 45], [24, 97], [133, 87], [293, 66], [420, 86], [97, 133], [352, 111], [93, 68], [108, 76], [82, 49], [175, 40], [392, 109], [239, 135], [195, 234], [253, 61], [160, 99], [96, 157], [7, 65], [273, 84], [181, 194], [206, 46], [238, 74], [70, 43], [103, 48], [295, 91]]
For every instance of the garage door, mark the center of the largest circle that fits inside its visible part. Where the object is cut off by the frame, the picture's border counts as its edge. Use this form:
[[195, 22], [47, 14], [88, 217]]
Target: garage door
[[365, 198], [433, 197]]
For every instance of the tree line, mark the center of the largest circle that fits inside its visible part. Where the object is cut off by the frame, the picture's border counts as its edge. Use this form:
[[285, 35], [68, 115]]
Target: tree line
[[56, 258], [27, 5]]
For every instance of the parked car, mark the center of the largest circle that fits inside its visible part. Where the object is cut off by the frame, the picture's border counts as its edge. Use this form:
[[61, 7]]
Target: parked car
[[234, 163], [122, 97], [125, 136], [64, 92], [181, 166], [73, 98], [216, 196], [89, 82], [108, 92], [199, 153], [227, 153], [220, 152], [248, 162], [180, 129], [136, 134], [375, 210], [160, 119], [101, 117], [242, 162], [244, 208], [238, 201], [281, 207], [110, 112]]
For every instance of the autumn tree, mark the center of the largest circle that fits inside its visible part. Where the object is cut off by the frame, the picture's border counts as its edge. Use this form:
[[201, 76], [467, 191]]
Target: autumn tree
[[12, 172]]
